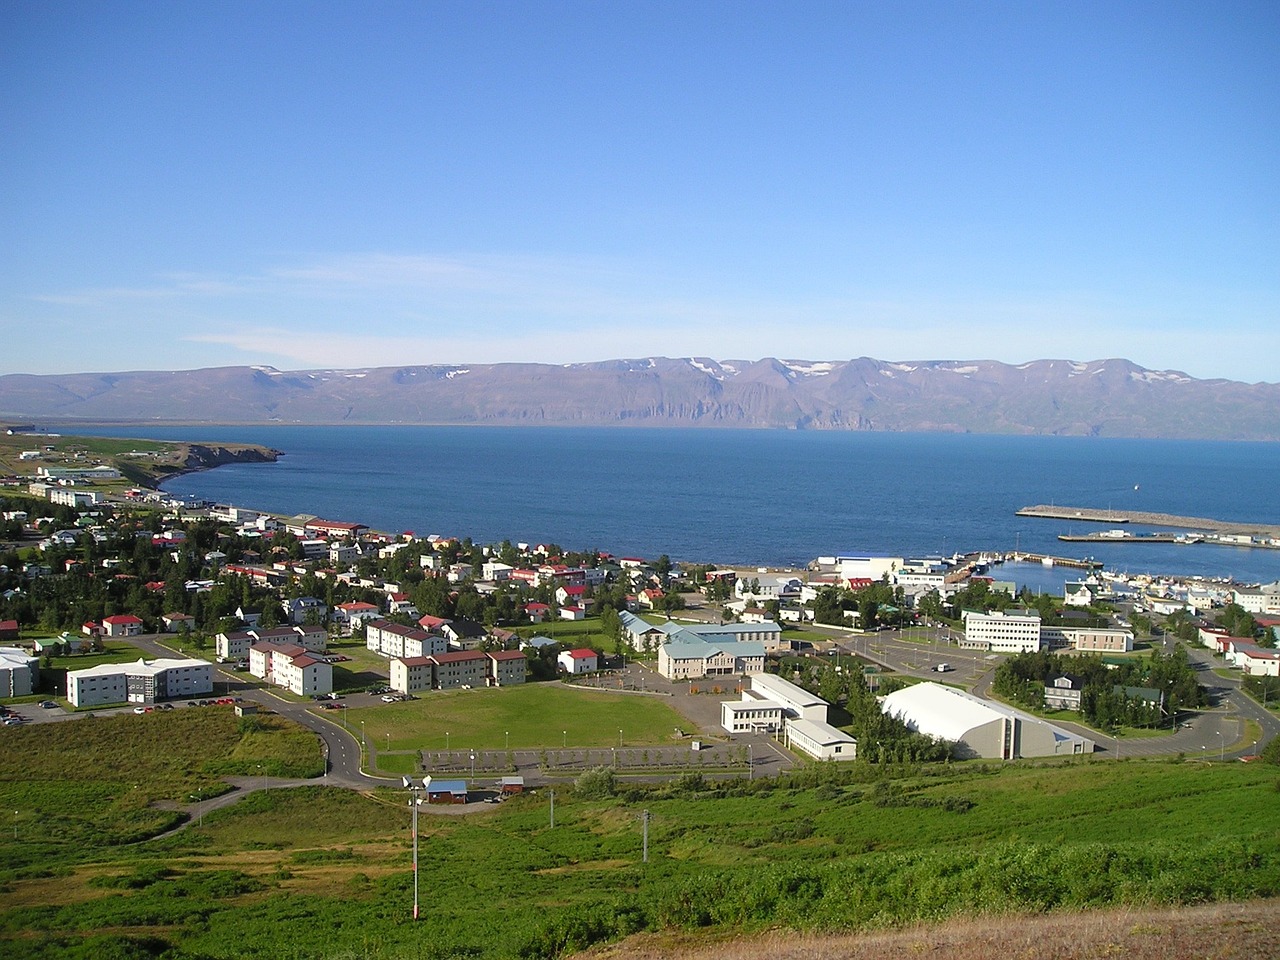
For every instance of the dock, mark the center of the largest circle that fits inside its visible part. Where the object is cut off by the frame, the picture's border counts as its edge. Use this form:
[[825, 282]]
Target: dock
[[1048, 561], [1204, 524]]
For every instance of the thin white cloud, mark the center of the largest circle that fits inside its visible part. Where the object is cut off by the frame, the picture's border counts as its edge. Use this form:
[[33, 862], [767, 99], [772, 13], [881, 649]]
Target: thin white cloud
[[375, 309]]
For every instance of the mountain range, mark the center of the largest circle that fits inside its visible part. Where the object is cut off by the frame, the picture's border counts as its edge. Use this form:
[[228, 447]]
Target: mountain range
[[1112, 398]]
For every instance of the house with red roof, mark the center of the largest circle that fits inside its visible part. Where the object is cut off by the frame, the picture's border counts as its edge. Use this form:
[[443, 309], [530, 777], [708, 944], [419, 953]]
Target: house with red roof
[[573, 611], [352, 615], [536, 612], [578, 661], [122, 625], [571, 593]]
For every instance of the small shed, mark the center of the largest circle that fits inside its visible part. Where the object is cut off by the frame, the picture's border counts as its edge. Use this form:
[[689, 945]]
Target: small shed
[[445, 791], [246, 709], [512, 785]]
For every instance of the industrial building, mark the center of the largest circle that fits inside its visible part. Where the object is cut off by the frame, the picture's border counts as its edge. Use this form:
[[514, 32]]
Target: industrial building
[[980, 728]]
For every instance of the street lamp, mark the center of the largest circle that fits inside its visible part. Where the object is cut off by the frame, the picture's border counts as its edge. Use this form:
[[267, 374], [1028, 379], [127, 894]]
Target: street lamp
[[508, 746], [619, 737], [564, 739], [197, 797], [1222, 746], [446, 741], [473, 764]]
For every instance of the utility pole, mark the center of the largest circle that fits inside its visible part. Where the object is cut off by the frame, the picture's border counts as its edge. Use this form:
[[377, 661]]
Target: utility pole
[[644, 819]]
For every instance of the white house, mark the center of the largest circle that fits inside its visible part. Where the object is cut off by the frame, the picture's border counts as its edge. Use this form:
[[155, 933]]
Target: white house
[[463, 668], [1257, 661], [639, 633], [300, 608], [353, 614], [1088, 639], [122, 625], [688, 655], [577, 661]]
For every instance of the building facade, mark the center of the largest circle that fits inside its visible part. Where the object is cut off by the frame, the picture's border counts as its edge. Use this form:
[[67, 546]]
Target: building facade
[[146, 681]]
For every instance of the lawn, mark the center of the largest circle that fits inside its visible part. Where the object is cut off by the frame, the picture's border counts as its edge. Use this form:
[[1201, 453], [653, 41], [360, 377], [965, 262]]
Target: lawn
[[534, 714], [585, 633]]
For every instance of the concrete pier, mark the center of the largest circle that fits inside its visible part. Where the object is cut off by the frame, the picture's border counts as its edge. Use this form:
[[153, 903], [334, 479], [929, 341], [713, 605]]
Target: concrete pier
[[1094, 515]]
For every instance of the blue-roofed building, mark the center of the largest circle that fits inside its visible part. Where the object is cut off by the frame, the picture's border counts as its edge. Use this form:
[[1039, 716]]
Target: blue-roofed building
[[691, 653], [639, 634], [445, 791]]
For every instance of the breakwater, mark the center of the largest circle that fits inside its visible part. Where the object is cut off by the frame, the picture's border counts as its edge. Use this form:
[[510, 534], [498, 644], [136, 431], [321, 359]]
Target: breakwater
[[1094, 515]]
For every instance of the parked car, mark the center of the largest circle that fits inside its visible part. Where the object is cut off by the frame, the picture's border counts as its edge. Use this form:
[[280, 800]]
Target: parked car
[[48, 704], [388, 698]]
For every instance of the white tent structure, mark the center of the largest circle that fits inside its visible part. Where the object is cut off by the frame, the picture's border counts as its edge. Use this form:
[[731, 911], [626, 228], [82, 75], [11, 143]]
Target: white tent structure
[[980, 728]]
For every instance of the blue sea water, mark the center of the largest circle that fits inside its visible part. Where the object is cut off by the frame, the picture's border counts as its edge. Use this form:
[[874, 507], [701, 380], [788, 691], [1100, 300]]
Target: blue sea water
[[777, 498]]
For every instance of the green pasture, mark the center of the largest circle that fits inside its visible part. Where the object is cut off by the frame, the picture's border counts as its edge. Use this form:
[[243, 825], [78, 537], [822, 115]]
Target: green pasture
[[322, 872], [102, 781], [535, 715]]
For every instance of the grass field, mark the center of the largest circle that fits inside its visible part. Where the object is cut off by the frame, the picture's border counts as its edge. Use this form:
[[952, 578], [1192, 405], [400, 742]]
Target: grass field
[[319, 872], [111, 780], [534, 714]]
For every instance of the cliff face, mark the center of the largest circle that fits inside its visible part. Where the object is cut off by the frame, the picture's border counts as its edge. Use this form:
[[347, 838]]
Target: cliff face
[[1098, 398], [201, 457]]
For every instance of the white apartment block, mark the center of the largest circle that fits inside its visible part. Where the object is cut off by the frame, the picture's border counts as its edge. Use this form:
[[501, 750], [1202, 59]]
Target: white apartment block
[[19, 672], [411, 674], [236, 645], [292, 667], [1088, 639], [466, 668], [396, 640], [507, 667], [1001, 632], [1264, 600], [143, 682]]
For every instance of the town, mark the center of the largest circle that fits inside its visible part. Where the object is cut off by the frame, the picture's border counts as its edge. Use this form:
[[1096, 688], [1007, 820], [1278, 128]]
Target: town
[[187, 598], [258, 694]]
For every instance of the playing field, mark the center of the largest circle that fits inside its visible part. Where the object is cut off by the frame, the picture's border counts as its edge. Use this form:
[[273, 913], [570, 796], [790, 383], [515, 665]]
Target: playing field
[[522, 717]]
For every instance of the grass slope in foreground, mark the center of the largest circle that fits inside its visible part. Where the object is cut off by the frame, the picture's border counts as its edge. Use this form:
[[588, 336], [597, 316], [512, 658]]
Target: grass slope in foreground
[[318, 872]]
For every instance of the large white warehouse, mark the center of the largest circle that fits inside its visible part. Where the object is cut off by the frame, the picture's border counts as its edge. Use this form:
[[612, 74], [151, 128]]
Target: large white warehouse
[[980, 728]]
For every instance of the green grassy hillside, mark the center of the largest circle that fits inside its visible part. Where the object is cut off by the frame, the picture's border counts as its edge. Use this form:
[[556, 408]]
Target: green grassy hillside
[[319, 872]]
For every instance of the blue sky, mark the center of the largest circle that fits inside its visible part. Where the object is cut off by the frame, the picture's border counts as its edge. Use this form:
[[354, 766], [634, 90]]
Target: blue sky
[[339, 185]]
